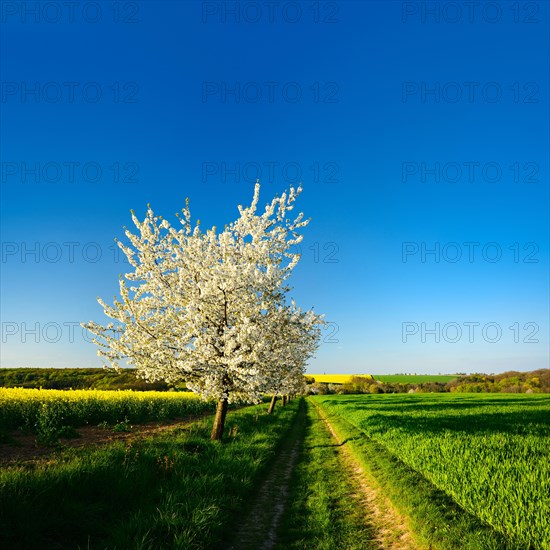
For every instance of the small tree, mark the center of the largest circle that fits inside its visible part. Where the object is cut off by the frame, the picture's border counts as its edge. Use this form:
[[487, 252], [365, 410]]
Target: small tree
[[199, 306], [297, 338]]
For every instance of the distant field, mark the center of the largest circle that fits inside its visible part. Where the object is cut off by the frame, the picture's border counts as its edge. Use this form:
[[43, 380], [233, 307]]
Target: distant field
[[414, 378], [336, 378], [402, 378]]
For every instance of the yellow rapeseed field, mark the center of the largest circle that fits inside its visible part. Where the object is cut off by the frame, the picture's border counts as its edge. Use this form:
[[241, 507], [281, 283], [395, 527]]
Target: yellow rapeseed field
[[31, 408], [29, 394]]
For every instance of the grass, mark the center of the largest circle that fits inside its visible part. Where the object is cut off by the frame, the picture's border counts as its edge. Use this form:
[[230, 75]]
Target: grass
[[490, 454], [469, 471], [263, 513], [176, 490], [414, 378], [336, 378], [322, 512]]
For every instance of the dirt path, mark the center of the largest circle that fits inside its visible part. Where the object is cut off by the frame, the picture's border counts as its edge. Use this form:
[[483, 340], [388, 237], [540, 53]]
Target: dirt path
[[259, 529], [390, 527]]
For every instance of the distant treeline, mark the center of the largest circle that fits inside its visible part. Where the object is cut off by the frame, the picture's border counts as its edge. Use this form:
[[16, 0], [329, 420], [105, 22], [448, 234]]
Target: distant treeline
[[537, 381], [77, 379]]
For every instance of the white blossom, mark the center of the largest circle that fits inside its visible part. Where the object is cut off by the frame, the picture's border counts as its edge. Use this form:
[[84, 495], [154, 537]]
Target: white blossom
[[209, 308]]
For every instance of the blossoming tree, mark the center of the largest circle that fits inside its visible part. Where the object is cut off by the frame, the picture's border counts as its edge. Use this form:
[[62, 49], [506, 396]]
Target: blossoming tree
[[295, 337], [209, 308]]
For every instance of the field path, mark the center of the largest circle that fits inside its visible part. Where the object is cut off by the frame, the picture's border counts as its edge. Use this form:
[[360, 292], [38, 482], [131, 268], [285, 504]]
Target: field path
[[259, 529], [390, 528]]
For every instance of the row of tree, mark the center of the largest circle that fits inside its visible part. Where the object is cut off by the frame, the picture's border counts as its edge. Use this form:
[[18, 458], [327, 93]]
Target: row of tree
[[211, 309], [77, 379], [537, 381]]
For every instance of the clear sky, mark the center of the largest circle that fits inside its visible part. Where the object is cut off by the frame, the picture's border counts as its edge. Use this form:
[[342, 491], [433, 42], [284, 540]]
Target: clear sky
[[420, 131]]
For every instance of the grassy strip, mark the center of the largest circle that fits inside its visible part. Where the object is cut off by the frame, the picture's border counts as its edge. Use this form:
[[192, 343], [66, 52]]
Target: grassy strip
[[322, 512], [435, 518], [177, 490], [264, 510]]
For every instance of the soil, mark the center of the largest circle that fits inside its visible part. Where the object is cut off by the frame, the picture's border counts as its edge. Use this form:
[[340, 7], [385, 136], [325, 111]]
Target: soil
[[24, 448]]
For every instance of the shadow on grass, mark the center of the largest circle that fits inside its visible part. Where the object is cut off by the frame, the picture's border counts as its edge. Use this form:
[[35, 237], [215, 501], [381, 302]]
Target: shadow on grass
[[420, 416], [437, 401], [434, 515]]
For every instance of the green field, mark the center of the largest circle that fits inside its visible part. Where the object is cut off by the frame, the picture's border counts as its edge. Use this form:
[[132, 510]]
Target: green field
[[414, 378], [462, 471], [391, 378], [488, 453]]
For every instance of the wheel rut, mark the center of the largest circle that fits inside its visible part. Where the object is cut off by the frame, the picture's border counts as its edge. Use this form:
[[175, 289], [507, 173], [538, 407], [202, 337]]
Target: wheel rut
[[391, 530], [259, 529]]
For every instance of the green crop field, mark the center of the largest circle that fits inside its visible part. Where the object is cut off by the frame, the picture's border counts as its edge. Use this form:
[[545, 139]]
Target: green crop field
[[390, 378], [414, 378], [489, 453]]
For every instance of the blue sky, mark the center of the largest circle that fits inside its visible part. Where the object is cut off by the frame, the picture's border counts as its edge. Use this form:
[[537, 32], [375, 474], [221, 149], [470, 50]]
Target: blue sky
[[411, 130]]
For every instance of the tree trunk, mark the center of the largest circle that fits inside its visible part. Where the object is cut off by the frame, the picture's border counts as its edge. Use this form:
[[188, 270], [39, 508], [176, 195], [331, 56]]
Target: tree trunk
[[219, 420], [272, 404], [284, 400]]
